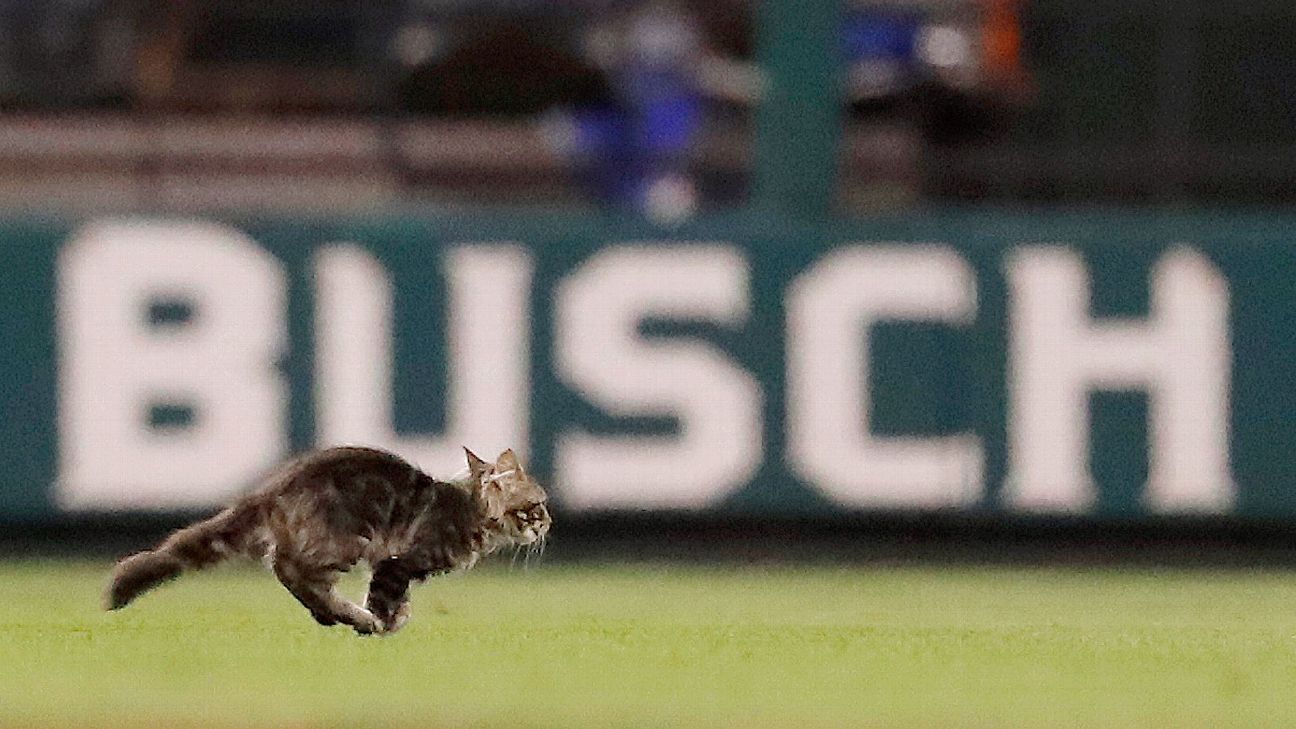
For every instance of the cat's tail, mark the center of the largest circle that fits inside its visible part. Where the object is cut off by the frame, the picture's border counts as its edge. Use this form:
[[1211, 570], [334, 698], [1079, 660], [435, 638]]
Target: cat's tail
[[194, 547]]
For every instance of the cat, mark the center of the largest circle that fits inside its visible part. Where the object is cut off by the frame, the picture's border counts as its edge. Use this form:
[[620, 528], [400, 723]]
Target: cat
[[326, 511]]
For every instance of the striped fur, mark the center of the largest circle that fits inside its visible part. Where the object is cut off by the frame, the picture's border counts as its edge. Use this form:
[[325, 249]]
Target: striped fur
[[327, 511]]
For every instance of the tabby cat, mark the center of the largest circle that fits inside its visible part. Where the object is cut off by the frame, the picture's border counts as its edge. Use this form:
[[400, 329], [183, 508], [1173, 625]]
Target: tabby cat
[[326, 511]]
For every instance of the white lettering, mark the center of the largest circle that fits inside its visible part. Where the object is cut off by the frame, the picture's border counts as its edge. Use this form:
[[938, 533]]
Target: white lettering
[[830, 310], [1180, 355], [181, 315], [488, 340], [601, 353]]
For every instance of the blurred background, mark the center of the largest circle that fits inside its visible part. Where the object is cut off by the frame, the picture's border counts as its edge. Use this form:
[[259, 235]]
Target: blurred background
[[130, 104], [1128, 136]]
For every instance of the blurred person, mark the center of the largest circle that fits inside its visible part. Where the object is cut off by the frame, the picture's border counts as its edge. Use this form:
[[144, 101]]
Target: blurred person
[[945, 70], [632, 149]]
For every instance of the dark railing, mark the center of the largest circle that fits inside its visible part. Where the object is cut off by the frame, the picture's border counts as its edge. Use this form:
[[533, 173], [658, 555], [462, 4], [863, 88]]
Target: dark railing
[[1157, 101]]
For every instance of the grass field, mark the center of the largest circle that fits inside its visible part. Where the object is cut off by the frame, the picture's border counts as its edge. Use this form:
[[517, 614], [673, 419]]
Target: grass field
[[665, 646]]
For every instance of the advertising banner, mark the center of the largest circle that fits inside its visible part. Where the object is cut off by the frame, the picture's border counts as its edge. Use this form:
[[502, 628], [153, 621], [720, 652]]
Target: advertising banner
[[1095, 365]]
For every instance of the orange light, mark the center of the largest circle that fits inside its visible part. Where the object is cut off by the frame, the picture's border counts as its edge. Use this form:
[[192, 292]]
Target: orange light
[[1001, 40]]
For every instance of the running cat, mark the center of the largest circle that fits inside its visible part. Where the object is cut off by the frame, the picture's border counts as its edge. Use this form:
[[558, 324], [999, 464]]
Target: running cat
[[324, 512]]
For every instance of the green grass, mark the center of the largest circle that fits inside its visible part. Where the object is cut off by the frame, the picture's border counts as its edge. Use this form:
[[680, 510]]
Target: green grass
[[665, 646]]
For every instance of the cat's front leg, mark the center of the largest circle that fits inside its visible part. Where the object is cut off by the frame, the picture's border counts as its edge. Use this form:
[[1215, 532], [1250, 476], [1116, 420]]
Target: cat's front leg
[[392, 615], [398, 620], [388, 597]]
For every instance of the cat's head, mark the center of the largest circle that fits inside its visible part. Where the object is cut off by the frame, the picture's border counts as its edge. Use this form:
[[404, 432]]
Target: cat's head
[[515, 504]]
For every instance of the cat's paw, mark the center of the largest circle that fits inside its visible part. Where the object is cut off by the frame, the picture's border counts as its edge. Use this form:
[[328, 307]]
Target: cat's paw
[[397, 621], [366, 624]]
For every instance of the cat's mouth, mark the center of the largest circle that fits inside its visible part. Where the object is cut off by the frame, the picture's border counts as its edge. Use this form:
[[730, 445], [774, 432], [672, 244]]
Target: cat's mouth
[[530, 526], [522, 533], [532, 531]]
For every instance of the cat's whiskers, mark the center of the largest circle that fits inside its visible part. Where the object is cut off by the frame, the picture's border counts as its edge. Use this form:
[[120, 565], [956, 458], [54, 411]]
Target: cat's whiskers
[[537, 549]]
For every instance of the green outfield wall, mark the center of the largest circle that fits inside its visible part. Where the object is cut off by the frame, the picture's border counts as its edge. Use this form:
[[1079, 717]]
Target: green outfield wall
[[1103, 365]]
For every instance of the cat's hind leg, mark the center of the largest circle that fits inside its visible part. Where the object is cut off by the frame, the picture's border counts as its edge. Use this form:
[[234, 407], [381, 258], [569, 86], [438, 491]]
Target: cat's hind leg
[[313, 585]]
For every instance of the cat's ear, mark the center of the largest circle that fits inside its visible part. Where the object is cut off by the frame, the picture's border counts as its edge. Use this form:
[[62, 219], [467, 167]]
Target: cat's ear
[[507, 461], [476, 466]]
